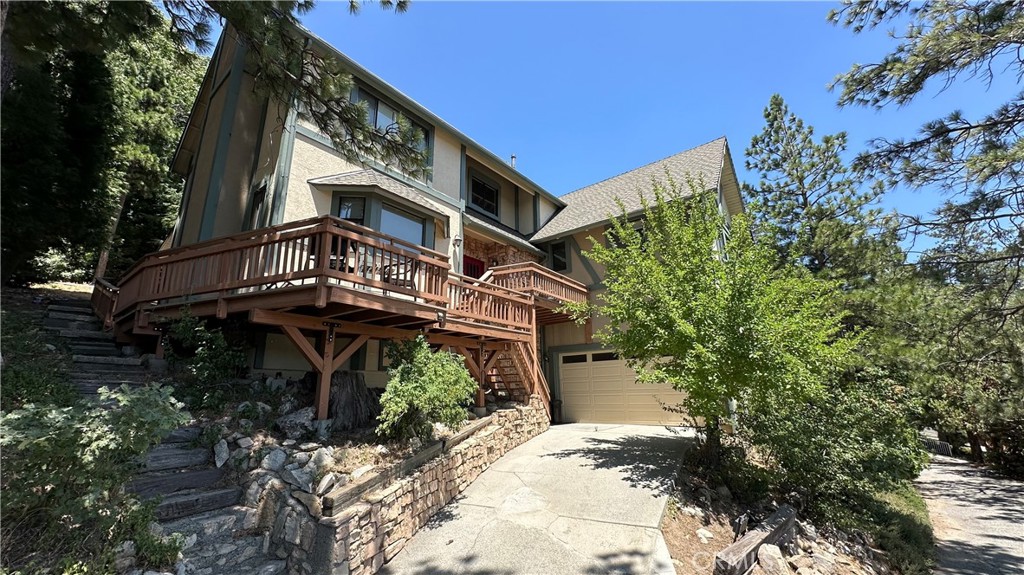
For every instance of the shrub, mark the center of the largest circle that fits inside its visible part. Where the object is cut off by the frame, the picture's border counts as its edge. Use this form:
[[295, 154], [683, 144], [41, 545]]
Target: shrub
[[424, 388], [209, 362], [31, 373], [64, 473]]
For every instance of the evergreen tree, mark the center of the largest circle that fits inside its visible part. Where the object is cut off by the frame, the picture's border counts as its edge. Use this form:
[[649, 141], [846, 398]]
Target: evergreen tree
[[978, 162]]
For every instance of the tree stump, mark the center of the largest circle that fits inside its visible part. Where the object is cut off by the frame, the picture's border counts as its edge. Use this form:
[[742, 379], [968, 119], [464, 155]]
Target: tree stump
[[352, 404]]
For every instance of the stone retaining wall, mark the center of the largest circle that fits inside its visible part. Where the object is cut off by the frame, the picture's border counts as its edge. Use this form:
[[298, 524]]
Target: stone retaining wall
[[359, 539]]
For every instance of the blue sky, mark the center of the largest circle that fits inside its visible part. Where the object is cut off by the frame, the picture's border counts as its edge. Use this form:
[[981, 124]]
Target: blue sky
[[582, 91]]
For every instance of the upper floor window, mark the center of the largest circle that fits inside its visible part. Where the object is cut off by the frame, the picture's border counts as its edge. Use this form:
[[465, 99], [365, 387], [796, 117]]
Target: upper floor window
[[559, 257], [382, 116], [484, 196], [352, 209]]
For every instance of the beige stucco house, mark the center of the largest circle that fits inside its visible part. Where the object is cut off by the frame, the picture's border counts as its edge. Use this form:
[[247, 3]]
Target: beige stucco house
[[327, 258]]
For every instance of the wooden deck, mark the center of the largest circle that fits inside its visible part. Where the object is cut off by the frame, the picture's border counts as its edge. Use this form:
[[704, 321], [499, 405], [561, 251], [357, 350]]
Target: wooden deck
[[331, 276]]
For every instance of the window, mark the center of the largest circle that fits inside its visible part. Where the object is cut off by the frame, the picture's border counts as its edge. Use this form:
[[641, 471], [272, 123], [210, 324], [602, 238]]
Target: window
[[610, 356], [581, 358], [352, 209], [259, 198], [382, 116], [559, 257], [402, 225], [484, 196]]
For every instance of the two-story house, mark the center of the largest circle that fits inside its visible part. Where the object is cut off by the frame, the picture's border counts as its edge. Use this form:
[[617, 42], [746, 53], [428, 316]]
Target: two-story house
[[326, 258]]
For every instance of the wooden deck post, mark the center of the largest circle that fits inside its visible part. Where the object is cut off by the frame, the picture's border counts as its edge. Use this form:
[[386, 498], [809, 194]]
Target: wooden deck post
[[323, 384]]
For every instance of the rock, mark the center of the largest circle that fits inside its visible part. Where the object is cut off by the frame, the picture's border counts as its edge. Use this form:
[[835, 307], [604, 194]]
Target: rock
[[274, 460], [297, 424], [301, 459], [704, 535], [312, 503], [221, 453], [692, 511], [706, 495], [319, 460], [415, 443], [807, 530], [50, 347], [299, 478], [770, 558], [381, 450], [362, 471], [287, 406], [471, 416], [824, 562], [288, 443], [723, 493], [806, 571], [245, 442], [328, 482], [189, 541], [308, 446]]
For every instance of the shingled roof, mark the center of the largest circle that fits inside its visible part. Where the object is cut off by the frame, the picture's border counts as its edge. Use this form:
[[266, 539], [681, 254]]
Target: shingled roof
[[595, 203], [372, 178]]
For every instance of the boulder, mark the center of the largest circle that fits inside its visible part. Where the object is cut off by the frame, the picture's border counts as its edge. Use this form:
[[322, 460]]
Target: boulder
[[312, 502], [770, 558], [245, 442], [297, 424], [704, 535], [274, 460], [221, 453], [300, 478]]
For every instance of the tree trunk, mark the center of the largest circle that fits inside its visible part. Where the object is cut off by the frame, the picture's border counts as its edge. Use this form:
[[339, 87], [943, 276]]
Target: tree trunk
[[976, 454], [104, 259], [352, 404]]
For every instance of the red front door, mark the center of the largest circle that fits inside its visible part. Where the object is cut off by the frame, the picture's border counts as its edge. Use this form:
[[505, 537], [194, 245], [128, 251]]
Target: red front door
[[472, 267]]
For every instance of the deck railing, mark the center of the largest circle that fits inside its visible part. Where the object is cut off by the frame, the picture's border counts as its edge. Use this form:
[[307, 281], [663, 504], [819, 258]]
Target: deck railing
[[104, 300], [533, 279], [481, 301], [325, 250]]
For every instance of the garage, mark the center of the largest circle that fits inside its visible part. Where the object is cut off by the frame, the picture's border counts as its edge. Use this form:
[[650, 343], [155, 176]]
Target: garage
[[598, 387]]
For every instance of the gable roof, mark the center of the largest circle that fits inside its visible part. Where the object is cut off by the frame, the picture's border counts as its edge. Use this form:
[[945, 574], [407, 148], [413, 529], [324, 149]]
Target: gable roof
[[597, 202], [372, 178]]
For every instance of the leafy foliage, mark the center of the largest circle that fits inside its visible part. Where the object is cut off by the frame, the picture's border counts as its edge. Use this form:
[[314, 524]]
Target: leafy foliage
[[717, 326], [31, 373], [209, 362], [64, 475], [424, 388]]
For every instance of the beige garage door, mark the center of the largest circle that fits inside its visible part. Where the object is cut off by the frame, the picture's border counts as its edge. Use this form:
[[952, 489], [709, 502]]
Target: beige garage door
[[597, 387]]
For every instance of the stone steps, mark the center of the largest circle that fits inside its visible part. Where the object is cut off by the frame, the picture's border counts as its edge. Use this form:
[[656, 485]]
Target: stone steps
[[165, 483], [105, 360], [192, 503], [70, 306], [219, 543]]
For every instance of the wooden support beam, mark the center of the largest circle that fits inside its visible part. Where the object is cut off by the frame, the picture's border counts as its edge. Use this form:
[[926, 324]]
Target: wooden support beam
[[323, 383], [267, 317], [471, 365], [455, 341], [491, 361], [348, 351], [305, 348]]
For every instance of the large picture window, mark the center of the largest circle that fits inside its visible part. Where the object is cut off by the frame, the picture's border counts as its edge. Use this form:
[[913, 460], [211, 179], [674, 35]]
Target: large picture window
[[484, 196], [402, 225]]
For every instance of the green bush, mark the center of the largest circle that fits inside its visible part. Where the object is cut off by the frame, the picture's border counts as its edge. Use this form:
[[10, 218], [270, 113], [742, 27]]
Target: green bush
[[209, 363], [424, 388], [64, 471], [31, 373], [853, 438]]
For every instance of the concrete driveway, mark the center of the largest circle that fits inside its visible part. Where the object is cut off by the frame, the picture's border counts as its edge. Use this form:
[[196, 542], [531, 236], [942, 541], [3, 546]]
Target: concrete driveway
[[580, 498], [976, 516]]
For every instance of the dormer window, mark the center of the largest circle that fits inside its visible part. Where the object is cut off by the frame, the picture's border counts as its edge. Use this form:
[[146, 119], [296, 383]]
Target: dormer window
[[484, 196]]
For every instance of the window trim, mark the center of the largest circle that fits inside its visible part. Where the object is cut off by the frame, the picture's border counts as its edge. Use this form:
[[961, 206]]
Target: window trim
[[568, 257], [475, 175], [374, 207]]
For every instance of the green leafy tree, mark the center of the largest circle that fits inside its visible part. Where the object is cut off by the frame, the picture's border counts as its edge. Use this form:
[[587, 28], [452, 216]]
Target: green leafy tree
[[423, 388], [716, 326]]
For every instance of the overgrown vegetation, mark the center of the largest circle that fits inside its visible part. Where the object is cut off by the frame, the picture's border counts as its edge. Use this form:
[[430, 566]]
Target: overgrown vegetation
[[898, 520], [423, 388], [32, 373], [65, 508], [207, 364]]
